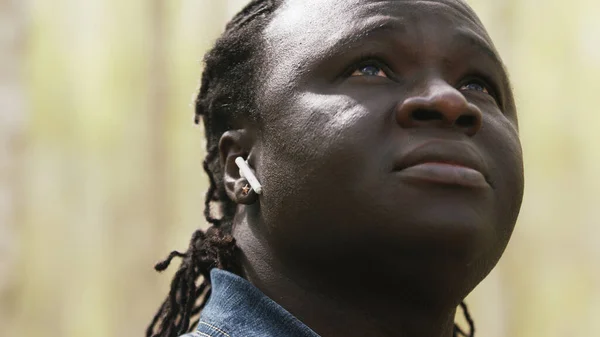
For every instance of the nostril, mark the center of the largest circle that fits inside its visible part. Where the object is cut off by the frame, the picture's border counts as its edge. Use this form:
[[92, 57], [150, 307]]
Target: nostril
[[426, 115], [466, 121]]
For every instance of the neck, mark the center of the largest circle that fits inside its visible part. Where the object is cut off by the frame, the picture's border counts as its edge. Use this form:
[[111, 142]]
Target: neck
[[356, 304]]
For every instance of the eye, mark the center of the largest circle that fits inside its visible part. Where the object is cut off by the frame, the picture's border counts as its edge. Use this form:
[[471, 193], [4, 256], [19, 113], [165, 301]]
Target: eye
[[369, 70], [475, 86]]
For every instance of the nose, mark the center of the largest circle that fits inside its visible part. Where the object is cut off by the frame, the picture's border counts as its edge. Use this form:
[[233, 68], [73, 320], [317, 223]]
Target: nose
[[440, 106]]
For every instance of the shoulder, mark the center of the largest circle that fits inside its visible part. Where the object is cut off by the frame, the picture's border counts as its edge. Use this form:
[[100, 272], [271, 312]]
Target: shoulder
[[192, 334], [236, 308], [196, 334], [209, 330]]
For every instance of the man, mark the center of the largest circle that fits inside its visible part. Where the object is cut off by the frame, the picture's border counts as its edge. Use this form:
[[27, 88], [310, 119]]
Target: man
[[384, 135]]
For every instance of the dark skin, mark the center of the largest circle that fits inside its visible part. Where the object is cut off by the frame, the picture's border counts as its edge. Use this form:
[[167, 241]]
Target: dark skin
[[391, 166]]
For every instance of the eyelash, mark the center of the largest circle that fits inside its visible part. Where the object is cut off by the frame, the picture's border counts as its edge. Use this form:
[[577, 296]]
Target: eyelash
[[488, 89], [470, 81], [368, 63], [484, 83]]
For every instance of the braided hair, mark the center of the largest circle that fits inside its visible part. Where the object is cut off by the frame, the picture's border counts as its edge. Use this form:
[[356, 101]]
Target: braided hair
[[224, 99]]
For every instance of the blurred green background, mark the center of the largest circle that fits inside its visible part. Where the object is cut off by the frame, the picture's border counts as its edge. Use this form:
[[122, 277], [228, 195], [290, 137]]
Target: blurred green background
[[101, 175]]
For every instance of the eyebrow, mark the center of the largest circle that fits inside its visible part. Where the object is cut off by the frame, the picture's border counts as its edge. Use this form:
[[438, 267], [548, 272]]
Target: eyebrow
[[373, 27], [387, 24], [393, 24], [482, 45]]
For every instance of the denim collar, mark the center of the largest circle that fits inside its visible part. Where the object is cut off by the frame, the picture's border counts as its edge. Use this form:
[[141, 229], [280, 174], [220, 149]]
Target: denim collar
[[236, 308]]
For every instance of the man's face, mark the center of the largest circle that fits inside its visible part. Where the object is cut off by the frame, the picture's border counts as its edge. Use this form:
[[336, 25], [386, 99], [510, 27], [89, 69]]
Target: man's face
[[389, 136]]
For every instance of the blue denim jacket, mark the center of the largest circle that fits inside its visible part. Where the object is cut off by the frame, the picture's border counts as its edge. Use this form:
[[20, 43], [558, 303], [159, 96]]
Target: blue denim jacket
[[238, 309]]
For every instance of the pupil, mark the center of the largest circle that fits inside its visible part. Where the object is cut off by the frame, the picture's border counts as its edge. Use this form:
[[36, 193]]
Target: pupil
[[475, 86], [370, 70]]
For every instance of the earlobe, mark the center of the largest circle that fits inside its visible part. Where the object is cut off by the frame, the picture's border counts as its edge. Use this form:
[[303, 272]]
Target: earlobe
[[232, 145], [246, 172], [243, 193]]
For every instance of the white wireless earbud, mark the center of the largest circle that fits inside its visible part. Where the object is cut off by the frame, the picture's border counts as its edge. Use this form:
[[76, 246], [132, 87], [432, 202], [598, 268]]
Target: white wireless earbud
[[246, 172]]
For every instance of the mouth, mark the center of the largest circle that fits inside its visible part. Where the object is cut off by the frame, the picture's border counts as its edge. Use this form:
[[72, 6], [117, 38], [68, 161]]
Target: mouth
[[446, 163]]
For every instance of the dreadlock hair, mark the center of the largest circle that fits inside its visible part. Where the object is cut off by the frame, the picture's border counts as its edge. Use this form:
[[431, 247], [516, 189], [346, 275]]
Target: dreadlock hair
[[225, 98]]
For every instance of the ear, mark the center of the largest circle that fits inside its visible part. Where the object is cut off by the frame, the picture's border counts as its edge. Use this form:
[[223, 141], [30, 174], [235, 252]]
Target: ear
[[233, 144]]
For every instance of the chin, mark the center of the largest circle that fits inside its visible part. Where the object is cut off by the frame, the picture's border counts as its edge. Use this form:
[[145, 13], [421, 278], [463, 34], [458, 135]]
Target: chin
[[456, 245], [445, 261]]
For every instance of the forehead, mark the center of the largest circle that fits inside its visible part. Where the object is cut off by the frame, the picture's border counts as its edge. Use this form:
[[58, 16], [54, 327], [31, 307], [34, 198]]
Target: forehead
[[316, 26]]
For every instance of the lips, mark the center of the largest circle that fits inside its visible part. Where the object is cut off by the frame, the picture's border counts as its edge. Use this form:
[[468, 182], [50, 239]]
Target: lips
[[444, 162]]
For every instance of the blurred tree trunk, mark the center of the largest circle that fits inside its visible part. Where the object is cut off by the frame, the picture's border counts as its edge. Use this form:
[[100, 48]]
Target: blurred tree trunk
[[158, 99], [156, 205], [12, 112]]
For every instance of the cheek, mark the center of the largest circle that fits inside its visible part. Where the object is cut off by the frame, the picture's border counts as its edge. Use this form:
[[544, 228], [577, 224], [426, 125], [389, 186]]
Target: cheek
[[507, 171], [320, 130], [320, 147]]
